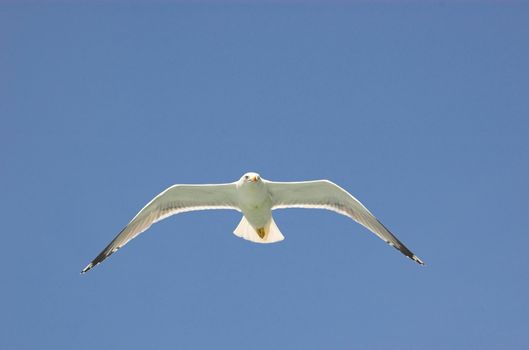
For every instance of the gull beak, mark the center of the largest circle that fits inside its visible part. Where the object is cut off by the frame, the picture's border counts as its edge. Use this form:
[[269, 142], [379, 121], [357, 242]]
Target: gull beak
[[254, 179]]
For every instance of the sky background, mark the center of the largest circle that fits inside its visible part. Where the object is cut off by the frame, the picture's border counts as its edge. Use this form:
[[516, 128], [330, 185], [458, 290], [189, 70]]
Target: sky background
[[419, 110]]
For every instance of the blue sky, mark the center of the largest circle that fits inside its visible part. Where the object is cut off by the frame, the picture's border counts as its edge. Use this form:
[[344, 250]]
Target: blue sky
[[419, 110]]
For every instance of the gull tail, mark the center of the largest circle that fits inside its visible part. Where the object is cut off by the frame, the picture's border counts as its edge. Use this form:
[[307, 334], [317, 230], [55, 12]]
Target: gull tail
[[268, 234]]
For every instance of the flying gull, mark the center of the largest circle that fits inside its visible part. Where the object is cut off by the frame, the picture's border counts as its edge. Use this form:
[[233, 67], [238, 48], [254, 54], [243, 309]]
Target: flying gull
[[255, 197]]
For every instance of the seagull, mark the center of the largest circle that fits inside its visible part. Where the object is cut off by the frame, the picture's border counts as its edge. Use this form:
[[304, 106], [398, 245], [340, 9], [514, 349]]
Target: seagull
[[255, 198]]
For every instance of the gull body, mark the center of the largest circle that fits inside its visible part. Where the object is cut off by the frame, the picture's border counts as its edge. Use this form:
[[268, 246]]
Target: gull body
[[255, 198]]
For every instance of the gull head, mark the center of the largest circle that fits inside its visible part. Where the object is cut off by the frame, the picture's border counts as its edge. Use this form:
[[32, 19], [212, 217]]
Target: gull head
[[250, 179]]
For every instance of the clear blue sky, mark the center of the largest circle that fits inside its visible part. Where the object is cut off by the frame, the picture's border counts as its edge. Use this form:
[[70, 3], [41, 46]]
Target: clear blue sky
[[420, 111]]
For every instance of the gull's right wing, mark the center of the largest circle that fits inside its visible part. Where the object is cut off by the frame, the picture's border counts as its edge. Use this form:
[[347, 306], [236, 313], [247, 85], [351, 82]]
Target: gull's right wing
[[176, 199]]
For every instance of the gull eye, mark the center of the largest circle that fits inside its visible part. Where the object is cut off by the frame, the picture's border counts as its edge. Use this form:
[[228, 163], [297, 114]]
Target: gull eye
[[246, 177]]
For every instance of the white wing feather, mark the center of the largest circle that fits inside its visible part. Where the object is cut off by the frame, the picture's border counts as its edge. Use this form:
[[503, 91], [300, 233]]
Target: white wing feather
[[176, 199], [323, 194]]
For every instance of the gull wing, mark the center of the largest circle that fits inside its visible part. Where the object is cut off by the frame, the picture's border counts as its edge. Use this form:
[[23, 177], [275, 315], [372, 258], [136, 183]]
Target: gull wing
[[176, 199], [323, 194]]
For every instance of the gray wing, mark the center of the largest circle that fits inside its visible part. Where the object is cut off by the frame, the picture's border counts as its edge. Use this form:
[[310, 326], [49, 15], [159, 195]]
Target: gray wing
[[323, 194], [176, 199]]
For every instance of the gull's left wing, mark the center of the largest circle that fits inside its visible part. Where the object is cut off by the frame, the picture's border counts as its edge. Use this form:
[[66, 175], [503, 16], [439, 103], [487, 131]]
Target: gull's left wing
[[176, 199], [323, 194]]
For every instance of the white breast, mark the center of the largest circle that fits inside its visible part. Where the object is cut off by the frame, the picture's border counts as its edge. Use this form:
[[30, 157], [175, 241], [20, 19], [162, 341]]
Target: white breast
[[256, 204]]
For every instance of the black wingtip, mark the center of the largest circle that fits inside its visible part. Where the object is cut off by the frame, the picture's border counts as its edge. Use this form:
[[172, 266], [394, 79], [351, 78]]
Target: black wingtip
[[410, 255], [87, 268], [418, 260], [108, 251]]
